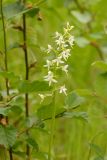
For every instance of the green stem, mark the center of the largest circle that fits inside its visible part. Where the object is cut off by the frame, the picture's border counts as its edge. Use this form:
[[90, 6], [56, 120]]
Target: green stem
[[5, 63], [52, 128]]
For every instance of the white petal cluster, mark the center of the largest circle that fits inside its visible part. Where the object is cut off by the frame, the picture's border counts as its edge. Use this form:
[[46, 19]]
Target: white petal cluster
[[58, 55], [49, 48], [63, 89], [43, 96], [50, 78]]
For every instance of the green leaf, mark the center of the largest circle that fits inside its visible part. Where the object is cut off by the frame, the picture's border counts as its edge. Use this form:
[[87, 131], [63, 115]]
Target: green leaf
[[35, 86], [13, 79], [100, 85], [33, 12], [45, 112], [73, 100], [32, 143], [13, 9], [29, 121], [7, 136], [82, 41], [77, 115], [100, 65], [84, 17], [13, 46], [97, 150], [5, 111], [9, 75], [99, 158], [84, 92], [16, 8], [40, 155], [20, 154]]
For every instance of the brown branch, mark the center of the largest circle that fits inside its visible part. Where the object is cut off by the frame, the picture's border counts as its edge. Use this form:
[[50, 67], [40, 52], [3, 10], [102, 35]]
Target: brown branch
[[96, 45], [26, 77], [5, 63], [81, 8]]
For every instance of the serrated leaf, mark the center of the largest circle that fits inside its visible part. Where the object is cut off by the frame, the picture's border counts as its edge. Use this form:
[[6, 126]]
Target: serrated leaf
[[7, 136], [35, 86], [73, 100], [84, 17]]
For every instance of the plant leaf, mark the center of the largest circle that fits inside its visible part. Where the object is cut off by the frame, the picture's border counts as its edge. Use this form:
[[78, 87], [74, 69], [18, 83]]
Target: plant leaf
[[31, 142], [82, 17], [35, 86], [5, 110], [45, 112], [100, 65], [7, 135], [73, 100], [77, 115]]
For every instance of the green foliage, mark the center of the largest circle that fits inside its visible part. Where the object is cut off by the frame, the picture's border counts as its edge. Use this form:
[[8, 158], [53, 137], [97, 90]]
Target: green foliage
[[73, 100], [4, 111], [35, 86], [30, 110], [8, 134]]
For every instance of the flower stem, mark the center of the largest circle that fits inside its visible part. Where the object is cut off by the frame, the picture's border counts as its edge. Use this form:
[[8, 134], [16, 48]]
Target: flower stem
[[52, 128]]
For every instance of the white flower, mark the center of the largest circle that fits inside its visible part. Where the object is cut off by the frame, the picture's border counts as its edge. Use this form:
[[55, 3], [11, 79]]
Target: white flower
[[49, 48], [58, 61], [57, 34], [63, 89], [68, 28], [60, 40], [71, 40], [42, 97], [50, 78], [65, 68], [65, 54], [48, 64]]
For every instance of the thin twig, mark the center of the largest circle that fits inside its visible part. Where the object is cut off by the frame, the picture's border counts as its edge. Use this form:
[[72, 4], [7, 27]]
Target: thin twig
[[96, 45], [26, 77], [5, 63]]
